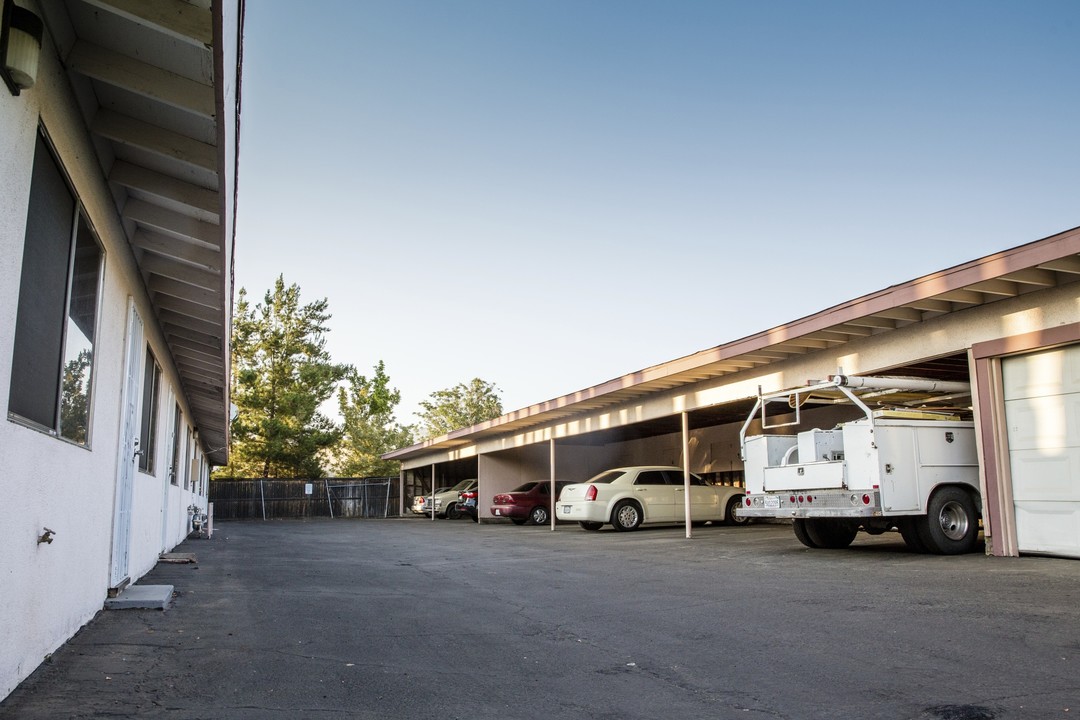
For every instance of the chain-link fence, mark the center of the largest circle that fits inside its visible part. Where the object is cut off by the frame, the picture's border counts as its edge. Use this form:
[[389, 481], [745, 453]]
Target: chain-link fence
[[273, 498]]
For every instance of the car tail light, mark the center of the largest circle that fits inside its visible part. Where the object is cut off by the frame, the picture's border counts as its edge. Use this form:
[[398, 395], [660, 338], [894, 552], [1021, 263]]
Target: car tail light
[[590, 493]]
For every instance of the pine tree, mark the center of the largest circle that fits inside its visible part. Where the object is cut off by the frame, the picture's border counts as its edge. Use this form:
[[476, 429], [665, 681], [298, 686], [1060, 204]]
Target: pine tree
[[281, 374]]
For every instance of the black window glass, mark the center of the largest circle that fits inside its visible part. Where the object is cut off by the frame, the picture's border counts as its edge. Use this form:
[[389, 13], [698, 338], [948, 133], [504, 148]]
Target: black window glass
[[79, 342], [651, 477], [148, 426], [53, 354], [39, 325]]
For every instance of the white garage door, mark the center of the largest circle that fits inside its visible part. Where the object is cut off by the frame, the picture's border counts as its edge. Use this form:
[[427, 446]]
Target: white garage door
[[1042, 411]]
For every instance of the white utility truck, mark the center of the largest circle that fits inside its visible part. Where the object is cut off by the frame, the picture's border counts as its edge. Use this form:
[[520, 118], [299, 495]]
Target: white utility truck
[[908, 463]]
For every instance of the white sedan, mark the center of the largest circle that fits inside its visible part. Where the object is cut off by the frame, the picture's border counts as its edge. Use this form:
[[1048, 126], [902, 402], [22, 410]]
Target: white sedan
[[631, 496]]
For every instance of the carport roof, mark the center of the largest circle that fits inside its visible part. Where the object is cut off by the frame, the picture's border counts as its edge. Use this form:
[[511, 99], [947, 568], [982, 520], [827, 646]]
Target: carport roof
[[1046, 263]]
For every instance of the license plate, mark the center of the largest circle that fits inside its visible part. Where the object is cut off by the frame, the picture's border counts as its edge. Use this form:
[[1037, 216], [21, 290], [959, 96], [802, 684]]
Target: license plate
[[772, 502], [498, 511], [566, 509]]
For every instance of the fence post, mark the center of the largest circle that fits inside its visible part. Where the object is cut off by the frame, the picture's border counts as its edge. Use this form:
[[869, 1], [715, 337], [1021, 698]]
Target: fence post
[[329, 500], [262, 494]]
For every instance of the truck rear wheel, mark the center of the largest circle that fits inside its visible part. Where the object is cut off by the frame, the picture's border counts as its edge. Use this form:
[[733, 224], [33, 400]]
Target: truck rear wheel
[[799, 525], [951, 526], [909, 530], [831, 534]]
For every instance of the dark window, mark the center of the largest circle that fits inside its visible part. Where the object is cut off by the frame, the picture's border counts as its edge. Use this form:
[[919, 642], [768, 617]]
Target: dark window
[[174, 471], [188, 458], [676, 478], [651, 477], [53, 356], [148, 427]]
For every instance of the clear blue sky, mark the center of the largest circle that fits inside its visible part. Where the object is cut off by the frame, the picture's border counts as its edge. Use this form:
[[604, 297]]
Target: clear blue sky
[[548, 194]]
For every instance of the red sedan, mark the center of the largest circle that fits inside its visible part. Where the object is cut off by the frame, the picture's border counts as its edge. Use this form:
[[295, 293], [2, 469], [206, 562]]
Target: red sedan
[[529, 503]]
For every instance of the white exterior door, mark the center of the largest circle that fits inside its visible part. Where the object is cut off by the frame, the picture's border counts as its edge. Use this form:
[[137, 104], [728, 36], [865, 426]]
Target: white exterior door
[[1042, 412], [129, 430]]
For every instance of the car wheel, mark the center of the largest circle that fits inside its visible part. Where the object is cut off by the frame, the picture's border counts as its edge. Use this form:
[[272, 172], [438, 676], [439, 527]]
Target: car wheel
[[452, 511], [518, 521], [951, 526], [831, 534], [626, 516], [733, 514], [539, 515], [585, 525], [799, 525], [909, 530]]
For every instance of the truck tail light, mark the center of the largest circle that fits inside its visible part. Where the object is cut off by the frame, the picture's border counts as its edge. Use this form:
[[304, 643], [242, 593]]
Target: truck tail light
[[865, 499]]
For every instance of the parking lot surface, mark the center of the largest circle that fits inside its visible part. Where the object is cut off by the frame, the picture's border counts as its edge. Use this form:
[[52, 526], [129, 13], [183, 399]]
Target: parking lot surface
[[408, 618]]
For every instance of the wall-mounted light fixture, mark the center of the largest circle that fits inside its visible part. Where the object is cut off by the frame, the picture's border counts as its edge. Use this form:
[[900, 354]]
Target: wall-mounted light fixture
[[20, 46]]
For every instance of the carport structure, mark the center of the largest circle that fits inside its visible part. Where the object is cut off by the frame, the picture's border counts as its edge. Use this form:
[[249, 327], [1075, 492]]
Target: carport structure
[[1008, 323]]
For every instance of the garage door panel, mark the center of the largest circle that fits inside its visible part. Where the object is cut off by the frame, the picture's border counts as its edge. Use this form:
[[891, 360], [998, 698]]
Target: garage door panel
[[1051, 372], [1044, 527], [1042, 418], [1042, 476], [1044, 422]]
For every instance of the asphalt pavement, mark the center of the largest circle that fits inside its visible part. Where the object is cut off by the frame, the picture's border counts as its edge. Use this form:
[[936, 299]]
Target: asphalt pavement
[[408, 618]]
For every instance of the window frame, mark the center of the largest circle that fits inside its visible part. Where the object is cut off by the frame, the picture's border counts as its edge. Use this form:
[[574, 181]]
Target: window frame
[[79, 218], [148, 416]]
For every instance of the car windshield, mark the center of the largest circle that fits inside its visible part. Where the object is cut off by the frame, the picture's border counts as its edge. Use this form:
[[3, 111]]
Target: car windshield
[[462, 485], [526, 487], [607, 477]]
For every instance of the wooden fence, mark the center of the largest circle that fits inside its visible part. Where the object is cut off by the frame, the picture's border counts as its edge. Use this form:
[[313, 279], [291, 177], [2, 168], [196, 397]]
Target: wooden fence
[[272, 498]]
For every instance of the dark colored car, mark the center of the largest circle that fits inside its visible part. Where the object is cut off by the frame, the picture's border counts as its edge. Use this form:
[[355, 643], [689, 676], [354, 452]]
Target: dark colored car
[[467, 500], [529, 503]]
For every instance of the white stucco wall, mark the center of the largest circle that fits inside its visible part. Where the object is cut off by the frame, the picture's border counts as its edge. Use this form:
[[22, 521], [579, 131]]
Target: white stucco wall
[[51, 590]]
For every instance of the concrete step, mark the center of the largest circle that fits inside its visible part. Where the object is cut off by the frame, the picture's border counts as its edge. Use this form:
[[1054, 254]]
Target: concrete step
[[152, 597]]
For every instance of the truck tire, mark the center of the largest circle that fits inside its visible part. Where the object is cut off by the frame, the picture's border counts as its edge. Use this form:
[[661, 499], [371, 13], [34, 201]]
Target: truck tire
[[799, 525], [909, 530], [831, 534], [951, 525]]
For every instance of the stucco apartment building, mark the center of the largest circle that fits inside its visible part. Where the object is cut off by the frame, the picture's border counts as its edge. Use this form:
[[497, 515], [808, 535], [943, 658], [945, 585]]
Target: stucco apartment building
[[118, 136]]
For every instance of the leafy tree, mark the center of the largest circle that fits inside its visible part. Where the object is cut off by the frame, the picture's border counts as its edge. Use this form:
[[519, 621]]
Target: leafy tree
[[74, 402], [370, 429], [457, 407], [281, 374]]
